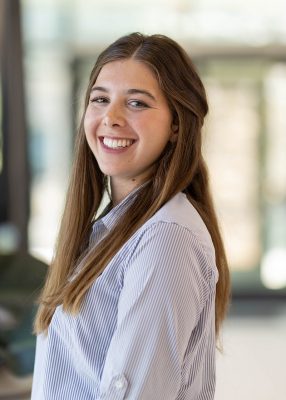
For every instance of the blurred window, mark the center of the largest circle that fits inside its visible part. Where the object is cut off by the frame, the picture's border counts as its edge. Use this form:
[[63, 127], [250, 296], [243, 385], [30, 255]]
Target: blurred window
[[241, 56]]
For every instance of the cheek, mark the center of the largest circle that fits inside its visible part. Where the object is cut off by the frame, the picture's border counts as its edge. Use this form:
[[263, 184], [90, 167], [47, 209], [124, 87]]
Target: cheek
[[90, 124], [162, 130], [162, 122]]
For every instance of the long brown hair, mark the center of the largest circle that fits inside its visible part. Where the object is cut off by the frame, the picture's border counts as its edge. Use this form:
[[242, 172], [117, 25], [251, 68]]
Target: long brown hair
[[180, 168]]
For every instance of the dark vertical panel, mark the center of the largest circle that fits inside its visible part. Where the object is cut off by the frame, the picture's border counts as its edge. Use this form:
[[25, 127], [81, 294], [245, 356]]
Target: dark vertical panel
[[14, 176]]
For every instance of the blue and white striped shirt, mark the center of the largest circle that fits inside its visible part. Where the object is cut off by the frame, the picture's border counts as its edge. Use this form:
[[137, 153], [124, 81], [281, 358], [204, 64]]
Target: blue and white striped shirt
[[146, 329]]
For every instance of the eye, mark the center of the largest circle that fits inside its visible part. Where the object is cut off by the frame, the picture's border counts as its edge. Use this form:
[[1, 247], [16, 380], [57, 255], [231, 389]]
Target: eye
[[99, 100], [137, 104]]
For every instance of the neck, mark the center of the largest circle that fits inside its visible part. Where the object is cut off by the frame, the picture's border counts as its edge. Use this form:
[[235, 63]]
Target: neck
[[121, 189]]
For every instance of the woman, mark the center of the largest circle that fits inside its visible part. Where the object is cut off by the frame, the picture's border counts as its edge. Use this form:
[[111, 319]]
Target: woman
[[134, 299]]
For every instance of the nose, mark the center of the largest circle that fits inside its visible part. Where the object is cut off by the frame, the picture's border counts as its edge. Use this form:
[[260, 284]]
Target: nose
[[114, 116]]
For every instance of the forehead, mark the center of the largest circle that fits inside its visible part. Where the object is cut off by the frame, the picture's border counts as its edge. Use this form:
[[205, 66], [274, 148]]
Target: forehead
[[129, 71]]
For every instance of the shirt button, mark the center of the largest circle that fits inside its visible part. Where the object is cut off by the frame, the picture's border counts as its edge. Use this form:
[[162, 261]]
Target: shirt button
[[119, 384]]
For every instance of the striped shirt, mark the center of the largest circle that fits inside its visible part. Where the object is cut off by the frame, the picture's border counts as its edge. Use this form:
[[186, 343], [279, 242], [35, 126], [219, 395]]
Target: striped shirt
[[146, 329]]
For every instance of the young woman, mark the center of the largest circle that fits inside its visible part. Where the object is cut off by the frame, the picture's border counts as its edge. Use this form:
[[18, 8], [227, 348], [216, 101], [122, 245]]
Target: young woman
[[135, 297]]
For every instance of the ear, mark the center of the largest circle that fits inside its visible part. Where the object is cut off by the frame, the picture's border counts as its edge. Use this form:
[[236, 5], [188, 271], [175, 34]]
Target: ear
[[174, 132], [175, 127]]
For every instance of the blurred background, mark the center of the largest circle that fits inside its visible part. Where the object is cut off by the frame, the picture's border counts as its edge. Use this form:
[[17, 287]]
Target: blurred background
[[48, 48]]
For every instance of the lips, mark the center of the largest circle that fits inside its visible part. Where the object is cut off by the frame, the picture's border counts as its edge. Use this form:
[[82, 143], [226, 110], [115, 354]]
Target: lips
[[116, 143]]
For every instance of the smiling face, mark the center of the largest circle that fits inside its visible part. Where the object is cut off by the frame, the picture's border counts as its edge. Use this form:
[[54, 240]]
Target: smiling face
[[127, 122]]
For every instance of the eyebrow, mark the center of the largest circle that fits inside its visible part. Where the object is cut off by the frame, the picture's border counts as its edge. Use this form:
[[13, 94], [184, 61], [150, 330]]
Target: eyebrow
[[129, 91]]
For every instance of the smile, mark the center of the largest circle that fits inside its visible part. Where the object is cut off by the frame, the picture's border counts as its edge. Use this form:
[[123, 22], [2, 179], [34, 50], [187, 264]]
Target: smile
[[117, 143]]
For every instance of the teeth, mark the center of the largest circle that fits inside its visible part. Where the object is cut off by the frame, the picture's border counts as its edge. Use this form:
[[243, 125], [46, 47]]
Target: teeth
[[116, 143]]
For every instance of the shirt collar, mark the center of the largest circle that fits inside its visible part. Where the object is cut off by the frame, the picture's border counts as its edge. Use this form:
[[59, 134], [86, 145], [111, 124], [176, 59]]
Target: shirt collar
[[110, 219]]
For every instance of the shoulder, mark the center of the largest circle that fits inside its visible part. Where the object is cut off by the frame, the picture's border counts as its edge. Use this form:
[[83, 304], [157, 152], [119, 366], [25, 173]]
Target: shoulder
[[175, 235], [178, 214], [172, 251]]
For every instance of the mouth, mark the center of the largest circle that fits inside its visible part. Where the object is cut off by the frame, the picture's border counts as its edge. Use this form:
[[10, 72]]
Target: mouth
[[116, 143]]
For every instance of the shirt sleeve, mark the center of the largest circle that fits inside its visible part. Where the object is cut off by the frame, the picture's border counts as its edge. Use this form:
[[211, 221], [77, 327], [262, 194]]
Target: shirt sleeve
[[166, 284]]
